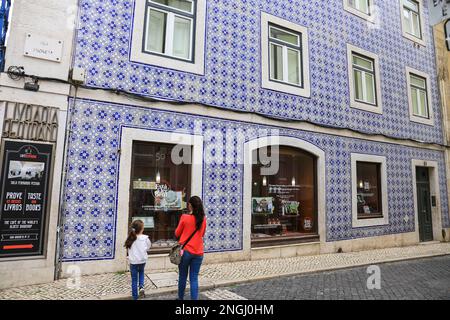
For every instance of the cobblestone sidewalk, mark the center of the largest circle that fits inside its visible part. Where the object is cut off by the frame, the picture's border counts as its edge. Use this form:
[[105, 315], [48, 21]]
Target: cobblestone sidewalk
[[117, 285]]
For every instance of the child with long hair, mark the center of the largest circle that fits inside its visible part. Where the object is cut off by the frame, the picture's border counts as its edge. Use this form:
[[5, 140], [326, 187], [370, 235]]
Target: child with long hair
[[137, 245], [191, 226]]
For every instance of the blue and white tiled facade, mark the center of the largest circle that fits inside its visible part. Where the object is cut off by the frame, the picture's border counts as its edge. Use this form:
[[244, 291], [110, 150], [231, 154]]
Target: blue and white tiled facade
[[91, 186], [232, 81]]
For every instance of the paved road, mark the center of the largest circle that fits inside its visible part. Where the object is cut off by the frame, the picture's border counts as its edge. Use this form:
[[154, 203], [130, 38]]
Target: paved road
[[415, 279]]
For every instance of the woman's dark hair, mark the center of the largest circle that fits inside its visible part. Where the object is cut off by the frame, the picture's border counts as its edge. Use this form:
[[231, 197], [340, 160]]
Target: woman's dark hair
[[136, 227], [197, 210]]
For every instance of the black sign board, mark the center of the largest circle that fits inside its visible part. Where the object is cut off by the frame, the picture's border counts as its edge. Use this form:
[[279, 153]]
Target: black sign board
[[24, 198]]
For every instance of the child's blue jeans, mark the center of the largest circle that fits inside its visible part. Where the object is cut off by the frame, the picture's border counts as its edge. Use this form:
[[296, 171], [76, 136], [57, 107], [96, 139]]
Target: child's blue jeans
[[189, 264], [137, 275]]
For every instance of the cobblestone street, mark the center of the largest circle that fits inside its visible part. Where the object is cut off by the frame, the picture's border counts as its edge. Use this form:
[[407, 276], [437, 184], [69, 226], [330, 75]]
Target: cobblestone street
[[216, 280], [422, 279]]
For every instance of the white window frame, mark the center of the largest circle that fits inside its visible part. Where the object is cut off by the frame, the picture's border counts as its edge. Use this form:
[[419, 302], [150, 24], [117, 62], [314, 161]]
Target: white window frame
[[413, 117], [359, 223], [170, 33], [422, 40], [304, 89], [354, 103], [196, 64], [285, 49], [366, 16]]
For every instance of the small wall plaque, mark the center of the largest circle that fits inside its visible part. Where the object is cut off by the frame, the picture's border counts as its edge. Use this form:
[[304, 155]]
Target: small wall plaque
[[43, 48]]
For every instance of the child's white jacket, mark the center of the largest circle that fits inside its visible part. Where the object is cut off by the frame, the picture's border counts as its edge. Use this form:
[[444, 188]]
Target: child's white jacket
[[137, 254]]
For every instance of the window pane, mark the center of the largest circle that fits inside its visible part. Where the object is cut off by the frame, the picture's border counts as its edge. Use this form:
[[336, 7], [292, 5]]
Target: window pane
[[294, 66], [176, 4], [276, 62], [419, 82], [415, 101], [182, 38], [159, 191], [368, 189], [370, 88], [416, 25], [363, 63], [284, 204], [284, 36], [358, 81], [156, 31], [423, 104], [361, 5], [407, 21], [412, 5]]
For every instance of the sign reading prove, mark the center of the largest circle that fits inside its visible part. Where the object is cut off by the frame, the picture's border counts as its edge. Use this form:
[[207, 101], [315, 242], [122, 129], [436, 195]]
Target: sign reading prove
[[43, 48], [24, 196], [30, 122]]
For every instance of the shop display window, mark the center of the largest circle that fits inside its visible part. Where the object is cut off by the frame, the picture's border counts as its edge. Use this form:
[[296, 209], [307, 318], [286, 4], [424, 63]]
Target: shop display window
[[369, 191], [284, 205], [159, 193]]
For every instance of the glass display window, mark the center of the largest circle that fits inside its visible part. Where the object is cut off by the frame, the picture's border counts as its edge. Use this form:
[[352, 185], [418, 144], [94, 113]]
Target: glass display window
[[284, 205], [369, 190], [159, 193]]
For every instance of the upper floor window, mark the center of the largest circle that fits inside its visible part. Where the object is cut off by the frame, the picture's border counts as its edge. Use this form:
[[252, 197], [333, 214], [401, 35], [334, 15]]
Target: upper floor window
[[412, 21], [364, 80], [360, 8], [285, 56], [169, 28], [419, 96], [170, 34]]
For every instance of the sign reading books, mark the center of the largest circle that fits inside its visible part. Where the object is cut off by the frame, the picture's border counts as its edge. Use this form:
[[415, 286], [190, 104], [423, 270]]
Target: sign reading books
[[24, 198]]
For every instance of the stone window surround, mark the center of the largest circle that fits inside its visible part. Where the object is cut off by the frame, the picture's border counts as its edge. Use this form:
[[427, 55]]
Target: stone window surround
[[359, 223], [369, 17], [413, 117], [266, 83], [360, 105], [252, 145], [138, 55], [133, 134], [422, 26]]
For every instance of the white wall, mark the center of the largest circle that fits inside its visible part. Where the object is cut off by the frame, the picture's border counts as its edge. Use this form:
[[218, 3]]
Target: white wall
[[50, 19]]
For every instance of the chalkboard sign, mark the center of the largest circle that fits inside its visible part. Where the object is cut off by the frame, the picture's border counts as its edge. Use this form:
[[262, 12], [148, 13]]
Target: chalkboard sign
[[24, 198]]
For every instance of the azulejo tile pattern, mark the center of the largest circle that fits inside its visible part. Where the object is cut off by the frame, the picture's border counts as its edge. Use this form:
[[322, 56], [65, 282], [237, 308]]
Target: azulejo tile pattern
[[90, 210], [232, 77]]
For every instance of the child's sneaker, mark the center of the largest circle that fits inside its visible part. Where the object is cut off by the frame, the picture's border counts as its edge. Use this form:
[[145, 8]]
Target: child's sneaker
[[141, 293]]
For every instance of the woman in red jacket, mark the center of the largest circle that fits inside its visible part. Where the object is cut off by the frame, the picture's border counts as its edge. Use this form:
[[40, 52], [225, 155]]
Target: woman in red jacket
[[192, 255]]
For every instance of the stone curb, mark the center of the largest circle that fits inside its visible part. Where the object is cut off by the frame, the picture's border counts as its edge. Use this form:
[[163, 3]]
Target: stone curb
[[227, 283]]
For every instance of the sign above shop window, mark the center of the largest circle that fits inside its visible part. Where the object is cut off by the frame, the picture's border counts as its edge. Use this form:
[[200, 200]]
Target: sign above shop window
[[40, 47], [30, 122]]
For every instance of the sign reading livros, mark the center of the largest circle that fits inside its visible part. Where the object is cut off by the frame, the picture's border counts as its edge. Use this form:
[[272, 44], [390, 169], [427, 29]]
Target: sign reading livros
[[30, 122], [24, 198]]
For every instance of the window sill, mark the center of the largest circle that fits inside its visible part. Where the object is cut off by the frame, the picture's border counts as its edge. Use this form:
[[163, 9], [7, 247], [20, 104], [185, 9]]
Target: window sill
[[414, 39], [420, 120], [156, 251], [277, 241], [368, 217]]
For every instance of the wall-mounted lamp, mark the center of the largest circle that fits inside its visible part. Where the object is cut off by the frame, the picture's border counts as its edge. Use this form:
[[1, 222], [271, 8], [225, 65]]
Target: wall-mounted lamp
[[293, 181], [264, 182], [32, 86], [158, 177]]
